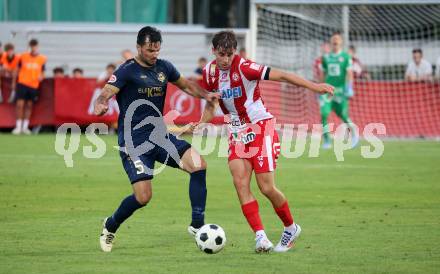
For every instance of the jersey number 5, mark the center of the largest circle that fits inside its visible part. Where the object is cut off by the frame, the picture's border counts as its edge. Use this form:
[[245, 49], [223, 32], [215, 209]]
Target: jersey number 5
[[139, 166]]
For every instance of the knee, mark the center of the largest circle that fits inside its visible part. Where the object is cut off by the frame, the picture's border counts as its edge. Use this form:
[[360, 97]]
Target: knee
[[203, 165], [144, 197], [198, 165], [20, 103], [268, 190], [241, 185]]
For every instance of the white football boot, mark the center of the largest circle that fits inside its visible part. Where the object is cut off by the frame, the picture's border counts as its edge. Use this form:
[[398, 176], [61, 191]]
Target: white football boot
[[16, 131], [263, 245], [288, 239], [106, 238], [192, 230], [27, 131]]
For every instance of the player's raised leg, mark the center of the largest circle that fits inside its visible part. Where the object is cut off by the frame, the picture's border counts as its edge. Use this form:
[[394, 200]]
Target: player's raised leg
[[266, 184], [142, 193], [241, 171], [195, 165]]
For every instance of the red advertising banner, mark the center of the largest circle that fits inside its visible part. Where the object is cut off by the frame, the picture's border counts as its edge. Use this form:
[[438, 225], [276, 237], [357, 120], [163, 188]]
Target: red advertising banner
[[74, 100], [188, 106]]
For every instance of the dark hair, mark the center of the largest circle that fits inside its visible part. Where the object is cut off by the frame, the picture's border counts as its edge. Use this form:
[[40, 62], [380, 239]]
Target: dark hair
[[336, 33], [9, 46], [417, 51], [151, 34], [225, 40], [78, 70], [33, 42], [58, 70], [202, 59], [111, 65], [353, 48]]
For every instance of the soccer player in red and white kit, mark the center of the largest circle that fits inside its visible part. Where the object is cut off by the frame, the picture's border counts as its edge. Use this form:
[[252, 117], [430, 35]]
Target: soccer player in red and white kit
[[253, 141]]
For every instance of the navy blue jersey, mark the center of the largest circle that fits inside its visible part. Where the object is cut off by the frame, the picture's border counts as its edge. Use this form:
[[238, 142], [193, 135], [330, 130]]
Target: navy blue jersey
[[138, 82]]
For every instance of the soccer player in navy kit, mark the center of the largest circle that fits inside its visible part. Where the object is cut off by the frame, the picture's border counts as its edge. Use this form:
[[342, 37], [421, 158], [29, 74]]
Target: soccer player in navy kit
[[140, 87]]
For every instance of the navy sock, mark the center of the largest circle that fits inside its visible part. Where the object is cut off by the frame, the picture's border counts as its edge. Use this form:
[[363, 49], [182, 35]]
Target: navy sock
[[127, 207], [197, 195]]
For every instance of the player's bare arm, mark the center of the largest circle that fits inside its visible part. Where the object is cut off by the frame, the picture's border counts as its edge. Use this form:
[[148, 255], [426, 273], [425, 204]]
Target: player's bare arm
[[282, 76], [195, 90], [101, 103], [209, 111], [207, 115]]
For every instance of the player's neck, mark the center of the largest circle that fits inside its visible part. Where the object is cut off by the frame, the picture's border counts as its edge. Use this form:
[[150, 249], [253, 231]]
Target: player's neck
[[338, 51], [140, 62]]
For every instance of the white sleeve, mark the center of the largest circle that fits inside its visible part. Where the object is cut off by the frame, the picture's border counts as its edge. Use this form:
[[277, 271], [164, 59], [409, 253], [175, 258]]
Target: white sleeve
[[427, 69]]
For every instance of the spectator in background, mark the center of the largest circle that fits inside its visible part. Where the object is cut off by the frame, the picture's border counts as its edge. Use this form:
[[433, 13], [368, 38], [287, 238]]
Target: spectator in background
[[77, 73], [201, 63], [30, 74], [242, 53], [317, 64], [58, 72], [9, 67], [418, 69], [126, 54], [105, 75], [359, 71]]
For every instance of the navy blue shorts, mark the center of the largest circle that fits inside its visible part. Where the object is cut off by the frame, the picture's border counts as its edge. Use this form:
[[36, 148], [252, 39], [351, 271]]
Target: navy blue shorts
[[26, 93], [140, 169]]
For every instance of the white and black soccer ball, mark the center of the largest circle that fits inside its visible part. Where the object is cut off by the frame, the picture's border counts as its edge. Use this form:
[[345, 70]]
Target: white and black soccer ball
[[211, 238]]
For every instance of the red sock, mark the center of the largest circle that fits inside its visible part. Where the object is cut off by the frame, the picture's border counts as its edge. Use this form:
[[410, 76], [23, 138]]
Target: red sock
[[284, 213], [250, 211]]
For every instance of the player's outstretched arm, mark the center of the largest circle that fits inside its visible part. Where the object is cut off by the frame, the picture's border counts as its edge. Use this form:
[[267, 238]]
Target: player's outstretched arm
[[282, 76], [101, 103], [207, 115], [195, 90], [209, 111]]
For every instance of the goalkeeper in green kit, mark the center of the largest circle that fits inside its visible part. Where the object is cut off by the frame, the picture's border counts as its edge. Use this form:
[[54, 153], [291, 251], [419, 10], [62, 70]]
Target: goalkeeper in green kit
[[337, 71]]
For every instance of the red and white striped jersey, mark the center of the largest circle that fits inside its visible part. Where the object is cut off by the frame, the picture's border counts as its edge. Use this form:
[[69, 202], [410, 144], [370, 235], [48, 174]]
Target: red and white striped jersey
[[239, 88]]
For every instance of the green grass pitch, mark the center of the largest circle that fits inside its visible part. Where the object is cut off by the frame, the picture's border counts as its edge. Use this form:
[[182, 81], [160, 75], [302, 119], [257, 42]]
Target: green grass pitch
[[358, 216]]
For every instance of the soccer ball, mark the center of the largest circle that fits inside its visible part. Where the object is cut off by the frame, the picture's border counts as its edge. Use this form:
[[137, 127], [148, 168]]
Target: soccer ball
[[211, 238]]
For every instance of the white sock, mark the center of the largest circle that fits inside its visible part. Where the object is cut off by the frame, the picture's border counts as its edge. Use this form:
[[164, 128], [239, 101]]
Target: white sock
[[25, 123], [291, 228], [260, 233], [19, 123]]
